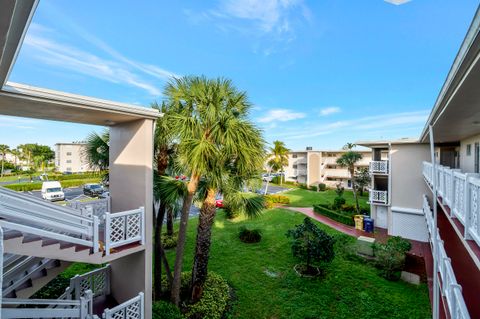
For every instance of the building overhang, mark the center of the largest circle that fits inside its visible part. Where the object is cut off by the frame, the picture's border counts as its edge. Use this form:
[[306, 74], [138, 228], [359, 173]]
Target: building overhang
[[33, 102], [386, 143], [456, 113]]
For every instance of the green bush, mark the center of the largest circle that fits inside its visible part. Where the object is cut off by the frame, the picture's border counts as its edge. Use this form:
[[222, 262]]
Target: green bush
[[322, 187], [270, 200], [390, 257], [338, 202], [249, 235], [231, 213], [348, 208], [169, 241], [166, 310], [313, 188], [302, 186], [276, 180], [337, 216]]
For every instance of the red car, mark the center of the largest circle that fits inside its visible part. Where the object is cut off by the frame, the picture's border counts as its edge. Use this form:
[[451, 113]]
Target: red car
[[219, 203]]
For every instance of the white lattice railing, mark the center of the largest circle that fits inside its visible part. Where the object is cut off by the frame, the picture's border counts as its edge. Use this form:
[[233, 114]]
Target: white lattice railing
[[379, 167], [131, 309], [97, 281], [376, 196], [450, 289], [124, 228], [461, 193]]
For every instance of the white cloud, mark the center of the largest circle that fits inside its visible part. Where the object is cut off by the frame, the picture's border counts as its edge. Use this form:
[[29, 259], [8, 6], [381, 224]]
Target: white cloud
[[397, 2], [281, 115], [329, 110], [17, 122], [395, 121], [119, 69]]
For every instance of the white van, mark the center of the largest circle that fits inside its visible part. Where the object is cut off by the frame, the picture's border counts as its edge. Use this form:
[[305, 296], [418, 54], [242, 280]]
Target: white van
[[52, 191]]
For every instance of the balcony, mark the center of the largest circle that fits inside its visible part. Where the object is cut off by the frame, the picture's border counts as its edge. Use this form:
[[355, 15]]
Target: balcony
[[337, 172], [461, 193], [448, 284], [301, 172], [301, 160], [379, 167], [378, 197]]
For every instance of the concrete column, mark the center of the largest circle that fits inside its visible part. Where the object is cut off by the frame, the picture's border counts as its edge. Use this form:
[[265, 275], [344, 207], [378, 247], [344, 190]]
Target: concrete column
[[131, 186]]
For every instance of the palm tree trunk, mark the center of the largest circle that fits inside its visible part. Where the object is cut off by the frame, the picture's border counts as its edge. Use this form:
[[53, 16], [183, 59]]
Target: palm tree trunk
[[352, 174], [3, 160], [182, 236], [170, 221], [202, 249], [157, 272]]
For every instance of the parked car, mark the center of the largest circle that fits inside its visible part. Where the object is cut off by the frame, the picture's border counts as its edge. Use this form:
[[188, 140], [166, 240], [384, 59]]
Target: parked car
[[93, 190], [104, 195], [267, 178], [219, 203], [52, 191]]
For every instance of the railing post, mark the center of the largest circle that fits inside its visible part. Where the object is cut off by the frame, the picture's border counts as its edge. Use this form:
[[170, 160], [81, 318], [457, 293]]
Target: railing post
[[96, 234], [107, 279], [107, 233], [142, 306], [142, 224], [1, 269], [467, 207]]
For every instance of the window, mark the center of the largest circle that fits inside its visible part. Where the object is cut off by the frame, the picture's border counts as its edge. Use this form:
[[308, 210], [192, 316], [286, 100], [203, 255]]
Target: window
[[69, 169], [469, 149], [69, 153], [294, 156], [295, 166], [69, 161]]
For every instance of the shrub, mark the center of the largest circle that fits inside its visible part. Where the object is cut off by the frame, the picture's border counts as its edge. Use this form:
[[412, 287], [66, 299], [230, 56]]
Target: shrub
[[249, 236], [348, 208], [313, 188], [270, 200], [339, 217], [322, 187], [169, 241], [302, 186], [25, 187], [338, 202], [390, 257], [340, 190], [166, 310], [310, 244], [231, 213], [276, 180]]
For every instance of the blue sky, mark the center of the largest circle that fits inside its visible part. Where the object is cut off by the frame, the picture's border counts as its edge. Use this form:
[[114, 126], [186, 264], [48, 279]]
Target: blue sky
[[319, 73]]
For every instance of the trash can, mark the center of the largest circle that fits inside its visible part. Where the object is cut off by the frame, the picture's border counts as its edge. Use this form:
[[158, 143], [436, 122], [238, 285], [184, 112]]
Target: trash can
[[368, 224], [358, 222]]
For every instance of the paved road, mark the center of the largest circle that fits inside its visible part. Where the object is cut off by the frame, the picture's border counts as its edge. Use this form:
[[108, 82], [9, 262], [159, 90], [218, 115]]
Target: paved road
[[273, 189], [70, 193]]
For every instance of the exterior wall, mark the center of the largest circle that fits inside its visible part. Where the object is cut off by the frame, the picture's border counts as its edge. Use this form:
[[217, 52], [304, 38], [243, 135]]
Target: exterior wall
[[406, 189], [314, 167], [131, 186], [69, 158], [467, 162]]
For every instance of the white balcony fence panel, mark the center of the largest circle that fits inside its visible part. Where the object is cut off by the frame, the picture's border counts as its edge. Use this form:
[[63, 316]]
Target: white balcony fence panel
[[96, 207], [124, 228], [378, 196], [131, 309], [450, 289], [97, 281], [379, 167], [459, 183], [473, 216]]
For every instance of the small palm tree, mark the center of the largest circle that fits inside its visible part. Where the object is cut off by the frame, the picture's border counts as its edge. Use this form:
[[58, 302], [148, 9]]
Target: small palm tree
[[97, 151], [278, 157], [348, 160], [4, 149]]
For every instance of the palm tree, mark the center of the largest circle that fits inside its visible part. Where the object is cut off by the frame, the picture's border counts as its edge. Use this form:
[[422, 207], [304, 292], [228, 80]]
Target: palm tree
[[213, 130], [278, 157], [97, 150], [348, 160], [4, 149], [16, 156]]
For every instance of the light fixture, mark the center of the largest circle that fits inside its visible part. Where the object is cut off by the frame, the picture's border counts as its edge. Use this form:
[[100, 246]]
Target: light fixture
[[108, 122]]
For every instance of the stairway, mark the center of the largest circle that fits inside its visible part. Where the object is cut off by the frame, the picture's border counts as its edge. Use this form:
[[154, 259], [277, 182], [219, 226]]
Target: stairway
[[33, 227], [25, 275]]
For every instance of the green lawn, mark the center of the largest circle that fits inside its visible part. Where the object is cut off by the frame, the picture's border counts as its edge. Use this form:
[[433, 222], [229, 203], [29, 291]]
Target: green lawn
[[349, 290], [306, 198]]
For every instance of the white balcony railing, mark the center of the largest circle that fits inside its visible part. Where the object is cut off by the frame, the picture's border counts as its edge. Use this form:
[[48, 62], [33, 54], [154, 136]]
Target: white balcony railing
[[461, 193], [451, 290], [379, 167], [378, 197]]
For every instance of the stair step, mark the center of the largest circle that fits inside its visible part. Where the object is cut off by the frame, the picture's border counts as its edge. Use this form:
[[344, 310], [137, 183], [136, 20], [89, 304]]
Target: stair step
[[49, 242], [30, 238], [81, 248], [65, 245], [10, 234]]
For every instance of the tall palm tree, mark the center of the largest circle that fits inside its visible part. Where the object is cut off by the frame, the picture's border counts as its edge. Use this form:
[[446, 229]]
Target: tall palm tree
[[213, 129], [278, 157], [4, 149], [16, 156], [348, 160]]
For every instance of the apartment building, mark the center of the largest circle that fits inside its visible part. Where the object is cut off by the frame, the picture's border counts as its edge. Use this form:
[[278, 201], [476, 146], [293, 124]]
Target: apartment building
[[39, 239], [312, 167], [70, 158]]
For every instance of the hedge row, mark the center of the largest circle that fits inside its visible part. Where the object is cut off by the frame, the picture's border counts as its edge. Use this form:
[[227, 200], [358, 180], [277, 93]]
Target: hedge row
[[339, 217], [25, 187]]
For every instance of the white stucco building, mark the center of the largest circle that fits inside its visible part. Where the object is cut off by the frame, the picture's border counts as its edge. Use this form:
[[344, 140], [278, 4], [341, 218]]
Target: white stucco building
[[70, 158]]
